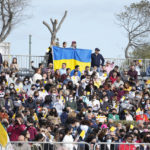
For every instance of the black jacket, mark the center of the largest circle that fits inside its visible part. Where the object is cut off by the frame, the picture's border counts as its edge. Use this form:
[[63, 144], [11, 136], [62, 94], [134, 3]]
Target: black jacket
[[97, 60]]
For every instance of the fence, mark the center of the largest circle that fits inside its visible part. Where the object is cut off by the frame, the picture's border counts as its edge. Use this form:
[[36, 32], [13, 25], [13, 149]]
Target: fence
[[121, 146], [48, 145], [24, 61], [76, 146]]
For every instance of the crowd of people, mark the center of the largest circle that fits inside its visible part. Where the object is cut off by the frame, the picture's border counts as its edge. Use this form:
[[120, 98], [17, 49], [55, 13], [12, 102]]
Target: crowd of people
[[99, 104]]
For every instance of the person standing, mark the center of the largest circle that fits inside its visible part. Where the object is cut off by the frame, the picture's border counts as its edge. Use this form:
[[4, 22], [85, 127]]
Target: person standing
[[97, 59], [74, 44], [64, 45]]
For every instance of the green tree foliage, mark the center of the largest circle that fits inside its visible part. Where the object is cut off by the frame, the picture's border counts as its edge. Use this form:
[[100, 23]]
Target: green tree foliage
[[142, 52]]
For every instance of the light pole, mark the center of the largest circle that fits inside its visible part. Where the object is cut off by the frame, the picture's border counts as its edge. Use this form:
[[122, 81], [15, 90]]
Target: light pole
[[30, 36]]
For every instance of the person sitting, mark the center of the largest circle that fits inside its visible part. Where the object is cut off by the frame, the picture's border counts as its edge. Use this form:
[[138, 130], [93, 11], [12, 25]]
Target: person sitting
[[132, 72], [63, 69], [113, 115], [77, 68]]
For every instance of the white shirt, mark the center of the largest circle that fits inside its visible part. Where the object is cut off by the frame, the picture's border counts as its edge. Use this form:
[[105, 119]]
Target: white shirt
[[95, 104], [68, 139], [75, 79], [129, 117], [36, 77]]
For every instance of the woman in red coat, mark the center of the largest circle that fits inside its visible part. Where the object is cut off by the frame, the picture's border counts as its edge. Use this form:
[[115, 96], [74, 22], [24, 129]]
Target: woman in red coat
[[15, 130], [113, 78]]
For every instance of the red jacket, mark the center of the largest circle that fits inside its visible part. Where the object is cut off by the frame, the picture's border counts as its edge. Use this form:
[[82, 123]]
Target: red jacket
[[33, 133], [142, 117], [15, 131], [113, 79], [127, 147]]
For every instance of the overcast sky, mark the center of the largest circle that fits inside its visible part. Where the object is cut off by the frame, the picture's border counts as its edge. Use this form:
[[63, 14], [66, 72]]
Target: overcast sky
[[89, 22]]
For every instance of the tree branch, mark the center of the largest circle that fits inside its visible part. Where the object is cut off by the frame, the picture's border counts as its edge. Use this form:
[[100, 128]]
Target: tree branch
[[63, 18], [46, 24]]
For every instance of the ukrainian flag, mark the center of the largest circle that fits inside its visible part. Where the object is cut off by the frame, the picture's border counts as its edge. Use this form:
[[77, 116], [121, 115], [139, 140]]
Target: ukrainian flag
[[4, 139], [71, 57]]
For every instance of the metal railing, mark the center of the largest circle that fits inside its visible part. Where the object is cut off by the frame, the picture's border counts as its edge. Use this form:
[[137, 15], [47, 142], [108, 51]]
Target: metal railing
[[49, 145], [77, 146], [24, 61], [121, 146]]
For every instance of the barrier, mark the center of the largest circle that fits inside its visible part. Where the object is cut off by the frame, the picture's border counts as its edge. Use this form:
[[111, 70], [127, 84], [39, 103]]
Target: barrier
[[24, 61], [48, 145], [121, 146]]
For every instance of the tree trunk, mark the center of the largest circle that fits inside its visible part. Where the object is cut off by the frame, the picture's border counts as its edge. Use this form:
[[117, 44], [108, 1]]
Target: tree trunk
[[126, 51]]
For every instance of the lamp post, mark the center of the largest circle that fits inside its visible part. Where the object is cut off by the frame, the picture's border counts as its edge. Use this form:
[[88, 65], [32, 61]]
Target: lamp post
[[30, 36]]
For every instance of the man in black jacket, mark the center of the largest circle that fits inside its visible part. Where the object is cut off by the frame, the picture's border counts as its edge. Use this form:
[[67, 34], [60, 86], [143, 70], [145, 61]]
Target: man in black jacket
[[97, 59]]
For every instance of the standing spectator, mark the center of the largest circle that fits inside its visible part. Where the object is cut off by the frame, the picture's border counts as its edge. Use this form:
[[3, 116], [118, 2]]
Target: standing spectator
[[50, 56], [97, 59], [14, 65], [148, 71], [138, 67], [74, 45], [64, 45], [5, 67]]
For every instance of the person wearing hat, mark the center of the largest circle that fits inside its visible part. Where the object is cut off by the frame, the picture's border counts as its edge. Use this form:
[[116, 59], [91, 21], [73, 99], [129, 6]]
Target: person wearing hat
[[74, 45], [97, 59]]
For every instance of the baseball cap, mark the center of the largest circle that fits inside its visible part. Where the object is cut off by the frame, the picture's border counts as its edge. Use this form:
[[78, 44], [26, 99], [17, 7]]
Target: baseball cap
[[97, 49]]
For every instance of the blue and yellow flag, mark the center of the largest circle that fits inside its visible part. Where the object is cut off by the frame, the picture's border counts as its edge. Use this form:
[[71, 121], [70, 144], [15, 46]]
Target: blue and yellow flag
[[71, 57], [4, 139]]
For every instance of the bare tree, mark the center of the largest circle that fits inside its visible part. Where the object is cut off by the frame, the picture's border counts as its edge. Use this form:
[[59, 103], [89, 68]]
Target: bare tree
[[55, 28], [135, 19], [10, 15]]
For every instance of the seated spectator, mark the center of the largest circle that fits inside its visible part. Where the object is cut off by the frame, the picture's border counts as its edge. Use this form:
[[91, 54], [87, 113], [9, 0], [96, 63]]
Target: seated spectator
[[77, 68], [22, 146], [124, 75], [109, 66], [71, 103], [118, 82], [63, 69], [113, 115], [132, 72], [128, 139], [75, 78], [16, 128], [113, 78], [37, 75]]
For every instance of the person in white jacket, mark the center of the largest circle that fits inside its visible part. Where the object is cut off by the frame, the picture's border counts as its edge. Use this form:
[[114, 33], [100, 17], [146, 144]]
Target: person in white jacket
[[68, 139], [37, 76]]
